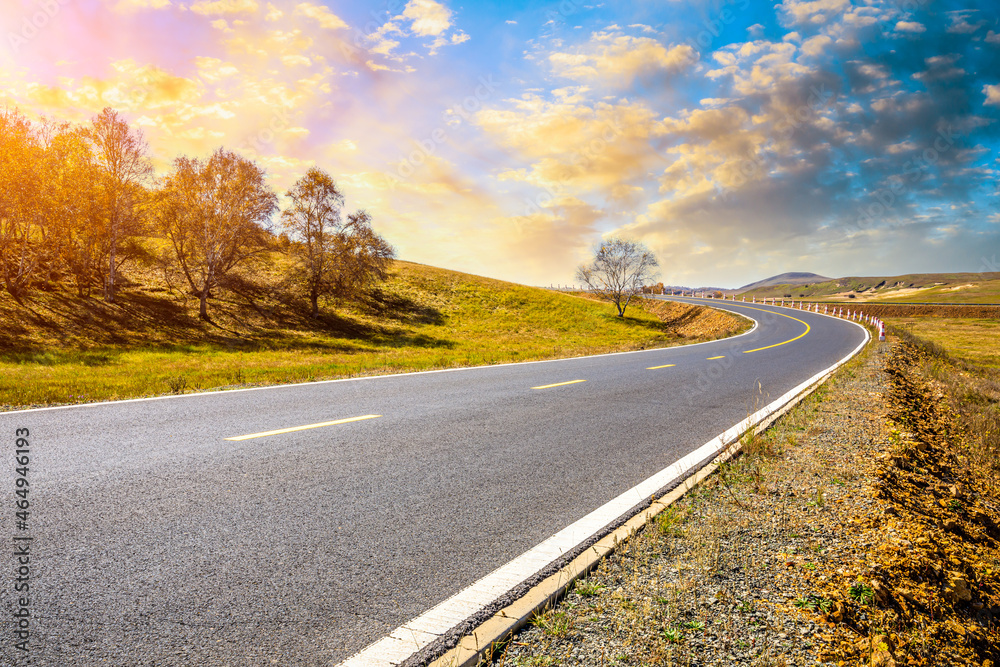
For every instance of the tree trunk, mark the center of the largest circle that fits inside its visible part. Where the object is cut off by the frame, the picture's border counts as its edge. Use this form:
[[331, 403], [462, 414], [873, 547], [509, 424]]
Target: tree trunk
[[14, 291], [314, 299], [203, 311], [109, 283]]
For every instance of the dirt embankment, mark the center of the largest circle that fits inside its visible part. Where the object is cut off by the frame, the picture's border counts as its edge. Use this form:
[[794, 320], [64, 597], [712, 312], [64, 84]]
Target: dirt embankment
[[930, 594], [696, 322]]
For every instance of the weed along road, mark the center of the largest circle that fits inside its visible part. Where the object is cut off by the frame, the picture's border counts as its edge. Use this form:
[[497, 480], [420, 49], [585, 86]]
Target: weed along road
[[298, 525]]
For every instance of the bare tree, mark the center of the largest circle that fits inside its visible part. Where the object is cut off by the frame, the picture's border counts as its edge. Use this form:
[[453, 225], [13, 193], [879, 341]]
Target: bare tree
[[337, 257], [217, 214], [619, 270], [122, 157]]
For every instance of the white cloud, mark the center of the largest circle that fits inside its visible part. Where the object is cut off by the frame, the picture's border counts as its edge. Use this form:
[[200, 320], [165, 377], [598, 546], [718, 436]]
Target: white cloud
[[960, 22], [901, 147], [384, 47], [620, 59], [816, 46], [213, 69], [816, 12], [273, 13], [429, 18], [292, 61], [910, 26], [645, 28]]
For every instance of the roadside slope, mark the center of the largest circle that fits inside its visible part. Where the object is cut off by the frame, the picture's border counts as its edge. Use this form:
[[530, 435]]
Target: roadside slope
[[62, 349]]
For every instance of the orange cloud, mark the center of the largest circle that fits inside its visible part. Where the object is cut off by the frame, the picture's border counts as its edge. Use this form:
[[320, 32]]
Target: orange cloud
[[125, 6], [326, 19], [221, 7], [576, 147], [618, 60]]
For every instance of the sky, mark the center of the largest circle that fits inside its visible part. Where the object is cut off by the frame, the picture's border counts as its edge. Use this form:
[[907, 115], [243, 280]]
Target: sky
[[737, 139]]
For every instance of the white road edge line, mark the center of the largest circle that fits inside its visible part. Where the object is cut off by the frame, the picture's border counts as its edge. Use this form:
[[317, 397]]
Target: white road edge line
[[423, 630], [218, 392]]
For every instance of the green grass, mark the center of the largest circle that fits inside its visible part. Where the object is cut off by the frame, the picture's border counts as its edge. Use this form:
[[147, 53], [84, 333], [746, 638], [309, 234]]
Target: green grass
[[61, 349], [587, 589], [972, 340], [553, 623]]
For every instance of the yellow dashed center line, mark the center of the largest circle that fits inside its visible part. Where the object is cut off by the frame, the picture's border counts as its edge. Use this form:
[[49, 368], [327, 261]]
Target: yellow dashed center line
[[653, 368], [558, 384], [303, 428], [719, 357]]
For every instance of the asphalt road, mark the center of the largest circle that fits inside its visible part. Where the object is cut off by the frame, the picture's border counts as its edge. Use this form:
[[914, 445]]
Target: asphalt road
[[158, 541]]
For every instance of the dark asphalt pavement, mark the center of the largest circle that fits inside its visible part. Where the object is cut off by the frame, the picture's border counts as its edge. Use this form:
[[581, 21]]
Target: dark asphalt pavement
[[156, 541]]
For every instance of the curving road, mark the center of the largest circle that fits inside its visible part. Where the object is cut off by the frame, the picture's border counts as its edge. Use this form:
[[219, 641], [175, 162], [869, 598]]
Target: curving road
[[213, 529]]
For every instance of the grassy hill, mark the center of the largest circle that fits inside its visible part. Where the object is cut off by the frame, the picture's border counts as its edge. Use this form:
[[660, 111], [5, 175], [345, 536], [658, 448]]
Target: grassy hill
[[910, 288], [59, 348], [784, 279]]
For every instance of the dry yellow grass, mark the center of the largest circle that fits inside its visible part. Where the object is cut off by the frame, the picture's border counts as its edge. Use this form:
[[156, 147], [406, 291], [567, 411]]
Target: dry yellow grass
[[973, 340]]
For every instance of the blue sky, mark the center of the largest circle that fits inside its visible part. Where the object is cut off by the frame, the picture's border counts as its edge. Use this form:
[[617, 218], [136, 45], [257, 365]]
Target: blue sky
[[737, 139]]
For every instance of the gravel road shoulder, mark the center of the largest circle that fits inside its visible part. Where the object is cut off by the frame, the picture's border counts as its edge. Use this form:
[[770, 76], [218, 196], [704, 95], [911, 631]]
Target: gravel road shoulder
[[729, 575]]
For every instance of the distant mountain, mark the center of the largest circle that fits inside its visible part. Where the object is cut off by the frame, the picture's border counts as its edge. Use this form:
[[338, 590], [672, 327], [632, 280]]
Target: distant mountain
[[785, 279]]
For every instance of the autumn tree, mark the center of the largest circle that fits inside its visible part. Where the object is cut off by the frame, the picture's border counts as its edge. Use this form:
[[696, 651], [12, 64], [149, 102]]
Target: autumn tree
[[125, 170], [619, 270], [74, 234], [364, 256], [314, 219], [336, 256], [21, 218], [217, 214]]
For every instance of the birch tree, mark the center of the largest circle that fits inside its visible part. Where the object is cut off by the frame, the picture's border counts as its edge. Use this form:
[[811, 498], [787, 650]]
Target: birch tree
[[75, 234], [21, 218], [314, 220], [337, 257], [125, 169], [217, 214]]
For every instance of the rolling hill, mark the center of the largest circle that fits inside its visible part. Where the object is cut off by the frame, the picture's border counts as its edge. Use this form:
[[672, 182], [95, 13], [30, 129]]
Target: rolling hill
[[783, 279], [59, 348], [908, 288]]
